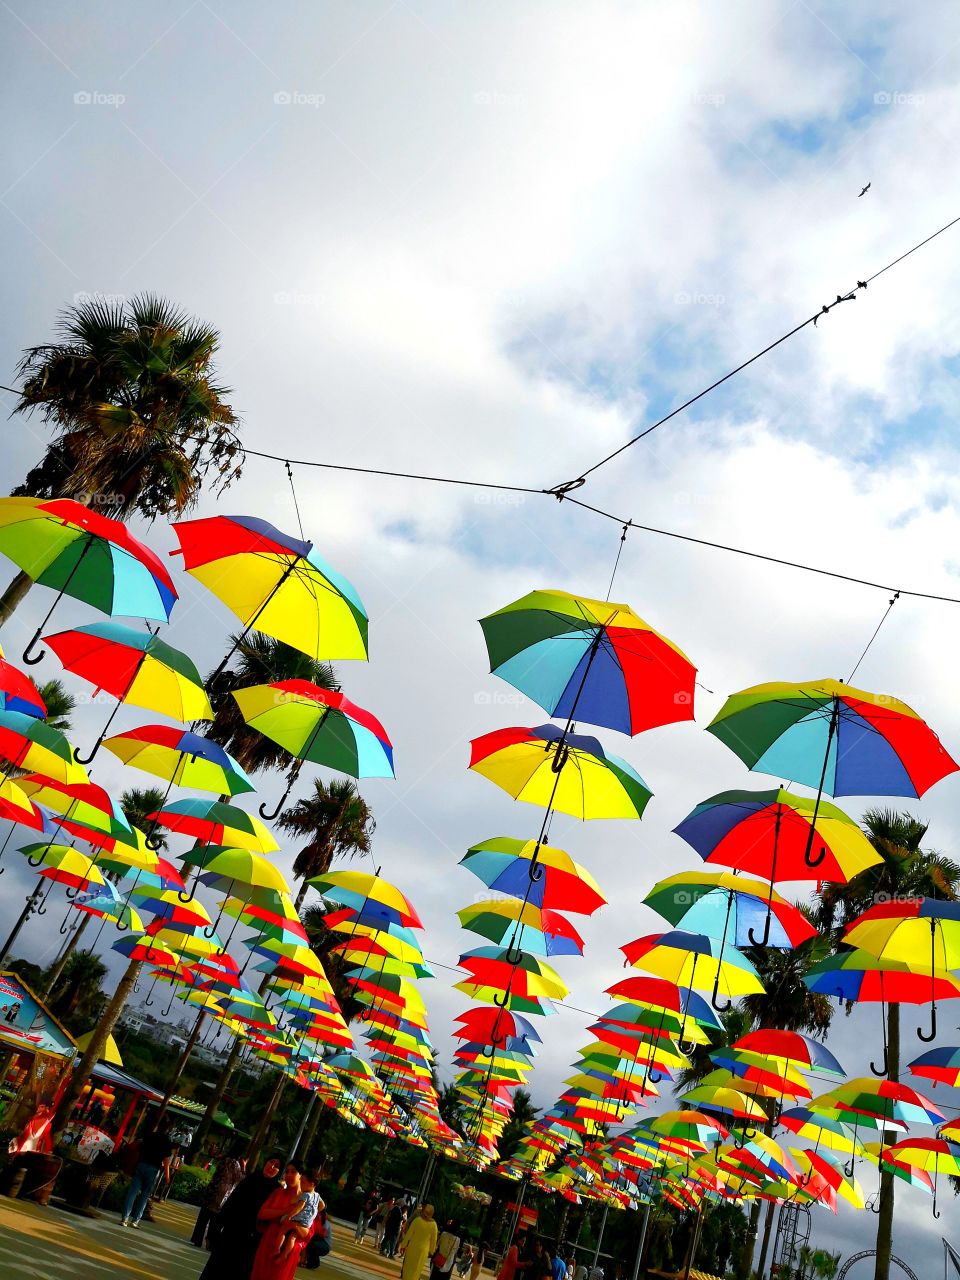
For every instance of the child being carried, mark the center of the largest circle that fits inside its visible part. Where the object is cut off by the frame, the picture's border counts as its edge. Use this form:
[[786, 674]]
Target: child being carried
[[301, 1217]]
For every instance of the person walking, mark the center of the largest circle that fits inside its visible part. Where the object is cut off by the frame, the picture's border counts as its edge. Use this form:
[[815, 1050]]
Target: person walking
[[155, 1152], [367, 1211], [393, 1228], [448, 1246], [227, 1175], [418, 1244]]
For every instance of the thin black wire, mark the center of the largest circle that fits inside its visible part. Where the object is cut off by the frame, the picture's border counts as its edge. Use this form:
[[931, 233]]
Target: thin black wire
[[886, 614], [824, 310], [296, 504], [616, 563]]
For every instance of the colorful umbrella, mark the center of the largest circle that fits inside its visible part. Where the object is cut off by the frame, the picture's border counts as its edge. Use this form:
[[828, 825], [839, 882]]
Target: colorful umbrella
[[547, 876], [724, 905], [181, 757], [28, 743], [906, 931], [362, 892], [64, 545], [18, 692], [830, 736], [276, 584], [568, 772], [590, 660], [83, 804], [941, 1065], [695, 961], [214, 822], [318, 725], [822, 1128], [135, 667], [528, 928]]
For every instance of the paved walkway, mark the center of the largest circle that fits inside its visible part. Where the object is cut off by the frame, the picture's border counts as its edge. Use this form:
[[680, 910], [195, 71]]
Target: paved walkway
[[49, 1244]]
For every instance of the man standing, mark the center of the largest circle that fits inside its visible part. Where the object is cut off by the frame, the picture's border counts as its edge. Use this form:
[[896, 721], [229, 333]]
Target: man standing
[[368, 1209], [155, 1152]]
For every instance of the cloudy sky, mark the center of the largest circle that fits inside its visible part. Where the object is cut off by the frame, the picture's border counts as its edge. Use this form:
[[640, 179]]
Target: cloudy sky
[[495, 242]]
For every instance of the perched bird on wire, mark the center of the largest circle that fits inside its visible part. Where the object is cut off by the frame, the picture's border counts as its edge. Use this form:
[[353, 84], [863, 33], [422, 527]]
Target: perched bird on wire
[[865, 190]]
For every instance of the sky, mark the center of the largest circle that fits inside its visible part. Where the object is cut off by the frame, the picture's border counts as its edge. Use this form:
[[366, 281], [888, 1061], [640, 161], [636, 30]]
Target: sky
[[495, 243]]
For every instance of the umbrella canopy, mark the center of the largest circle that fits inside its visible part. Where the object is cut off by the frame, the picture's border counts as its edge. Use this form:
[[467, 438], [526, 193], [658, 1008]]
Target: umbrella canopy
[[504, 865], [66, 546], [829, 735], [214, 822], [883, 1100], [791, 1047], [768, 833], [590, 660], [16, 806], [362, 892], [84, 804], [728, 906], [857, 975], [136, 667], [694, 960], [822, 1128], [229, 870], [28, 743], [318, 725], [181, 757], [276, 584], [105, 903], [19, 693], [528, 928], [571, 773], [63, 864], [941, 1065]]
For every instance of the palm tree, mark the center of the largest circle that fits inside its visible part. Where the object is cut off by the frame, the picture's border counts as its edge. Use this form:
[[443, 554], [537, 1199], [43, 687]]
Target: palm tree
[[139, 421], [59, 703], [137, 803], [259, 659], [336, 819], [80, 998], [522, 1114], [906, 871]]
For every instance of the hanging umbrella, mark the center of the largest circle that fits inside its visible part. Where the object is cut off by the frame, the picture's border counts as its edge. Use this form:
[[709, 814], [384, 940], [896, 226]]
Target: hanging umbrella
[[28, 743], [941, 1065], [691, 1128], [318, 725], [143, 947], [16, 806], [569, 772], [527, 927], [18, 692], [530, 976], [886, 1101], [830, 736], [907, 931], [548, 876], [275, 584], [106, 904], [930, 1155], [361, 891], [84, 804], [772, 833], [137, 668], [821, 1128], [790, 1047], [694, 960], [880, 1155], [214, 822], [77, 552], [590, 660], [180, 757], [724, 905]]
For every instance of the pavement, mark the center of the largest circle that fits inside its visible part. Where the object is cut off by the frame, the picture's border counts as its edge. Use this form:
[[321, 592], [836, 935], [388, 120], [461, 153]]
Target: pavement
[[47, 1243]]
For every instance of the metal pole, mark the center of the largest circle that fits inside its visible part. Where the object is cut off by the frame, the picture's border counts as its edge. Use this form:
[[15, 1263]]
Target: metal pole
[[25, 915], [643, 1241], [516, 1216], [603, 1227], [308, 1111]]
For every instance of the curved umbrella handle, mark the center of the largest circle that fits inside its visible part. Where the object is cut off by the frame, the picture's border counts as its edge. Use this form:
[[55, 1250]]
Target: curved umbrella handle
[[501, 1004], [560, 758], [848, 1168], [933, 1027], [152, 843], [537, 871], [148, 1001], [291, 783], [873, 1204], [87, 759], [65, 925], [120, 926], [71, 893], [760, 942], [815, 862], [654, 1077], [884, 1067], [740, 1140], [28, 656], [186, 895], [37, 862], [513, 955], [720, 1008]]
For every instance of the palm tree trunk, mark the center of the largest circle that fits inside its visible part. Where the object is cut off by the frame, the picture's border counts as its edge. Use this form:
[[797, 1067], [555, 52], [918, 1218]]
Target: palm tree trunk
[[263, 1128], [219, 1089], [65, 955], [310, 1133], [768, 1223], [182, 1062], [888, 1180], [745, 1261], [95, 1048], [17, 589], [301, 894]]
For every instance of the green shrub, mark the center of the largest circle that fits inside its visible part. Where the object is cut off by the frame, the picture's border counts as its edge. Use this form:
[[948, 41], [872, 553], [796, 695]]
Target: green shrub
[[189, 1183]]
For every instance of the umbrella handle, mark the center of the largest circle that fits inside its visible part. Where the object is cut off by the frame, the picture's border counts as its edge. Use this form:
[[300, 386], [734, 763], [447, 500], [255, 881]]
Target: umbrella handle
[[760, 942], [720, 1008], [37, 862], [933, 1027], [513, 955], [501, 1004], [28, 656], [71, 893], [654, 1077], [120, 926], [885, 1066], [152, 843], [936, 1211], [740, 1140], [848, 1168], [536, 871], [65, 925], [873, 1204], [559, 759], [815, 862]]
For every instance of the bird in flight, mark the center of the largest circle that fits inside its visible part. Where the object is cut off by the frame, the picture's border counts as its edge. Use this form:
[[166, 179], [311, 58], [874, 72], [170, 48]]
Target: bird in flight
[[864, 191]]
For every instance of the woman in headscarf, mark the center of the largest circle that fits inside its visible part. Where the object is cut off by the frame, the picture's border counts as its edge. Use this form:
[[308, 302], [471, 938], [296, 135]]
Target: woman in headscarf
[[418, 1244], [233, 1251]]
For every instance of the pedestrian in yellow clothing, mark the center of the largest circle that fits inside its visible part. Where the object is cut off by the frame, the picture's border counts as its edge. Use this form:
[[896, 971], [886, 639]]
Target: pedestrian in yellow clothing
[[418, 1244]]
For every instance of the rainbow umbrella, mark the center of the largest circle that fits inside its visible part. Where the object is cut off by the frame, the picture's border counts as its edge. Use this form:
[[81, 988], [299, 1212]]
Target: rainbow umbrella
[[276, 584], [547, 876], [362, 892], [181, 757], [318, 725], [145, 948], [790, 1047], [941, 1065], [885, 1101], [565, 771], [833, 737], [66, 546], [693, 1129], [724, 905], [695, 961], [528, 928], [904, 930], [930, 1155], [18, 692], [821, 1128], [135, 667], [106, 904], [28, 743], [63, 865], [83, 804], [590, 660], [214, 822], [879, 1155]]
